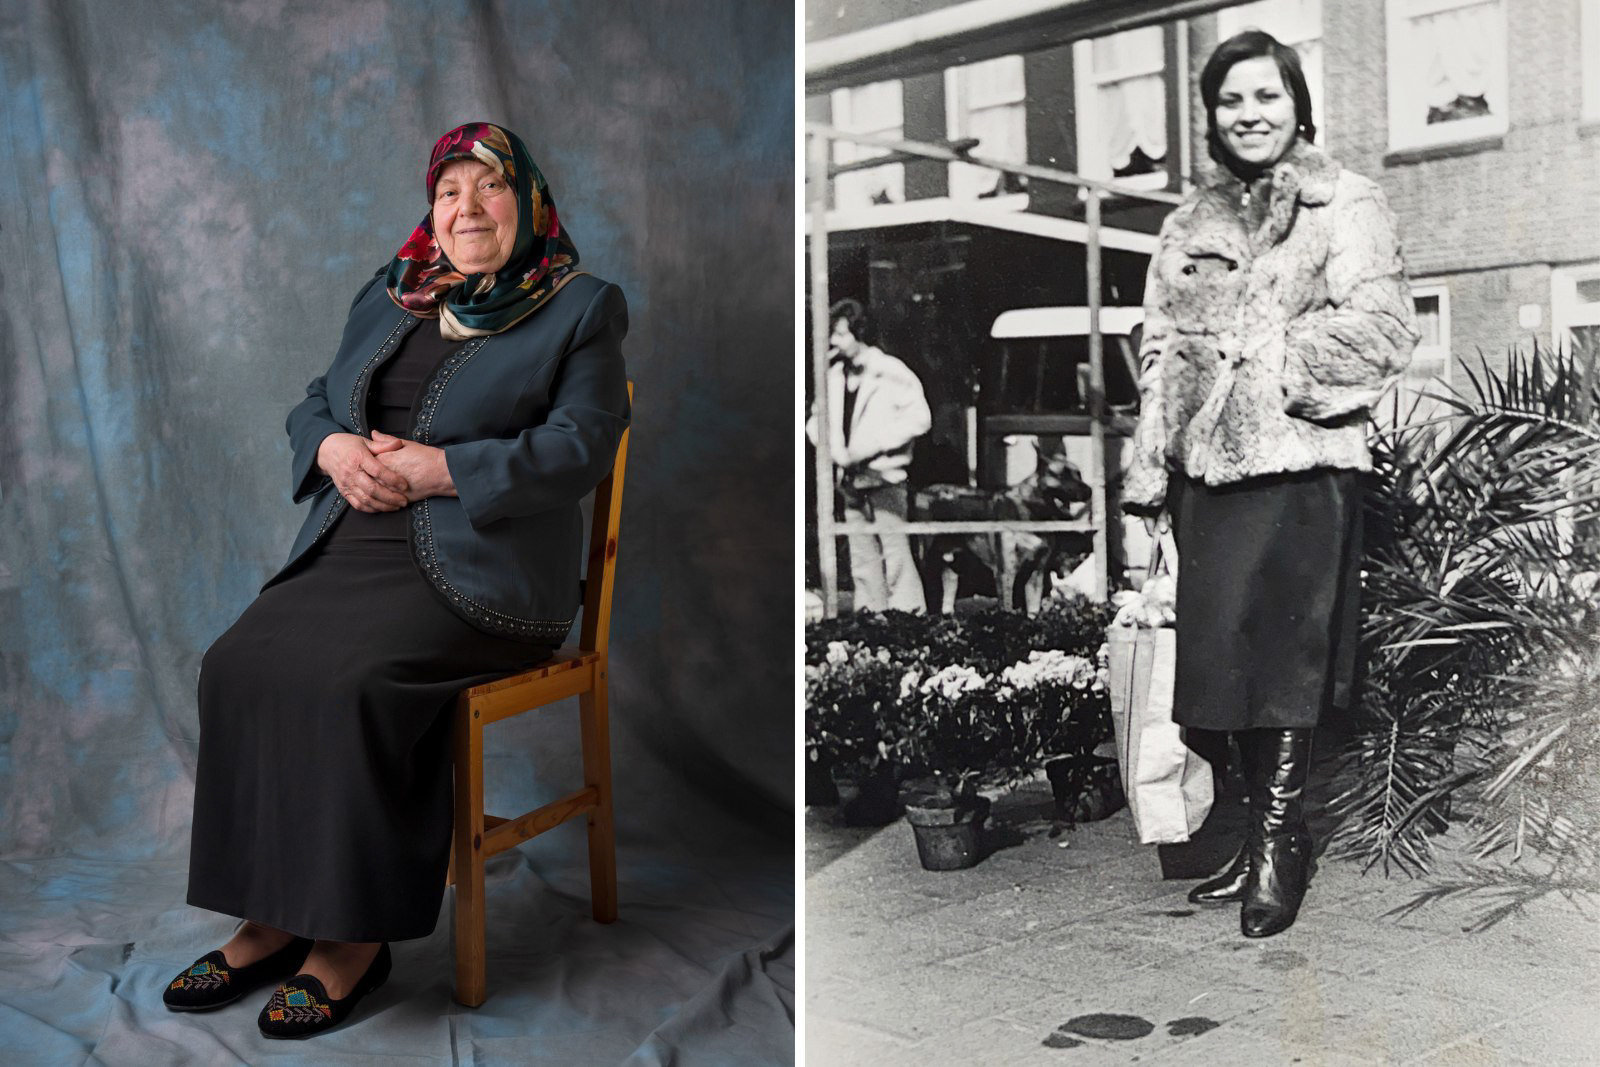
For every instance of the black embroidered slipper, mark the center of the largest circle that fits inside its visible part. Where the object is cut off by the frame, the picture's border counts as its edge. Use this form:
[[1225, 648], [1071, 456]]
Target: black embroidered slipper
[[210, 983], [301, 1007]]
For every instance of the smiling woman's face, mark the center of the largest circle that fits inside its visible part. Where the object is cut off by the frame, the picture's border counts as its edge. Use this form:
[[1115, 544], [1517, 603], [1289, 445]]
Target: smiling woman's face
[[474, 216], [1255, 112]]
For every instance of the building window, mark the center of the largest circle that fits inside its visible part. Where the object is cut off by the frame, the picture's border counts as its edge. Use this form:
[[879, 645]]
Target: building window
[[1575, 310], [1590, 60], [1447, 71], [878, 109], [1431, 360], [1122, 107], [1413, 398], [1296, 23], [986, 100]]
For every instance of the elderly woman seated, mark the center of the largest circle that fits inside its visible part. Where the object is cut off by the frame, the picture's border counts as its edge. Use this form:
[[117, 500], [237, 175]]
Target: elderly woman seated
[[478, 393]]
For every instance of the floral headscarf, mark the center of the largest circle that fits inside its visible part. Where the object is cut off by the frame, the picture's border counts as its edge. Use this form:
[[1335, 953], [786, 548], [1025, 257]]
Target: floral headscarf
[[422, 279]]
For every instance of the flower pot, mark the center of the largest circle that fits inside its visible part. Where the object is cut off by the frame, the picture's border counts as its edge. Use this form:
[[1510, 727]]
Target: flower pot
[[1087, 788], [948, 838], [872, 799]]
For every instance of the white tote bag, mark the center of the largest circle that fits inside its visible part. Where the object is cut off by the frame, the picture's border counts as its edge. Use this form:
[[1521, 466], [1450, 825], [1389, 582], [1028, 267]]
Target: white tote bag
[[1168, 785]]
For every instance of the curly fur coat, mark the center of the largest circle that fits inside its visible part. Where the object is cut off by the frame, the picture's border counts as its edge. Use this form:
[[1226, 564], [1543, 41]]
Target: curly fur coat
[[1264, 349]]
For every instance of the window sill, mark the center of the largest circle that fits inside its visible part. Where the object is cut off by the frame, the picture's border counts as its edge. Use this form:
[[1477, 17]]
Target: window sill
[[1406, 156], [1589, 128]]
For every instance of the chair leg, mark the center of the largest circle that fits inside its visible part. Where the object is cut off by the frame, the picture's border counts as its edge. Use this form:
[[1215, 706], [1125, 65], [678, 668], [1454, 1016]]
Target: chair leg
[[597, 773], [467, 856]]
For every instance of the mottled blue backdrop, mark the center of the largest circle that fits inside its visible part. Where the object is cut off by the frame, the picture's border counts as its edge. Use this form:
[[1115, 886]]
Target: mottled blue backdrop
[[193, 191]]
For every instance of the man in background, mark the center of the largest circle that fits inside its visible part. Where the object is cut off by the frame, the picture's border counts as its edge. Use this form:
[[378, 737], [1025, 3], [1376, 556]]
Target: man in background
[[876, 409]]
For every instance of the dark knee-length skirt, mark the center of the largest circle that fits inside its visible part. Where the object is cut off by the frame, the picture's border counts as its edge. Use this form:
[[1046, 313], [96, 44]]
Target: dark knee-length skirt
[[323, 793], [1269, 598]]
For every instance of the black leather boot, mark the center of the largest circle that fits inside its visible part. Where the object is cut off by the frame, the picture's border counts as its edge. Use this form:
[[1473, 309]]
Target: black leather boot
[[1280, 846], [1229, 885]]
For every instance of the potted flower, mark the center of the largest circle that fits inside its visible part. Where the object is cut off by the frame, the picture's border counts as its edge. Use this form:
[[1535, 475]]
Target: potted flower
[[850, 701], [1064, 700], [959, 732]]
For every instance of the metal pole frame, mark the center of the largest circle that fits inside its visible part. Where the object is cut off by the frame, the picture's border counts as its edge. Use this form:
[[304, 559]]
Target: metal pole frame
[[1097, 391], [820, 139], [817, 151]]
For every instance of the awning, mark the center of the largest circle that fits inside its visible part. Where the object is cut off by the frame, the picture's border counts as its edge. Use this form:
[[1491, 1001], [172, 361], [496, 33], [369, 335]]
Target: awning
[[975, 30], [1063, 322], [980, 213]]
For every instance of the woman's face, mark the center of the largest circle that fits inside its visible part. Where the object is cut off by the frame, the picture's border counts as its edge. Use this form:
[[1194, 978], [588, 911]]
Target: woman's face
[[474, 216], [1255, 112]]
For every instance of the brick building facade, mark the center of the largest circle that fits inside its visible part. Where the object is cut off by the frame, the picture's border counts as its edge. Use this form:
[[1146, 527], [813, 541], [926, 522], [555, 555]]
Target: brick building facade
[[1480, 119], [1501, 228]]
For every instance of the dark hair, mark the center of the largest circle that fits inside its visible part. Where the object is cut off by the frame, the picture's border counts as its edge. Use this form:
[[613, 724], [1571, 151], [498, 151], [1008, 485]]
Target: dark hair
[[1253, 44], [854, 316]]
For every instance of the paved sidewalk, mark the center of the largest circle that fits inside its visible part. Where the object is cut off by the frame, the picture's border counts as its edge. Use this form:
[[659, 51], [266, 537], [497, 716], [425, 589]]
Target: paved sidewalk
[[1066, 946]]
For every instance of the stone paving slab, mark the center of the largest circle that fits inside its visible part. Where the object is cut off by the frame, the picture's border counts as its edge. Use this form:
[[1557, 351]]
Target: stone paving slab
[[931, 1003], [1067, 946], [1382, 1023], [1561, 1035]]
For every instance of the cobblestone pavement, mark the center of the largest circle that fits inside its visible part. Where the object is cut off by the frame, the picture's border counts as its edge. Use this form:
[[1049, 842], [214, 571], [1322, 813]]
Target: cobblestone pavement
[[1075, 946]]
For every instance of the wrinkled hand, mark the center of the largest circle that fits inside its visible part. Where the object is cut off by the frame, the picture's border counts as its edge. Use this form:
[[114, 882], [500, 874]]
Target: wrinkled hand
[[422, 466], [361, 478]]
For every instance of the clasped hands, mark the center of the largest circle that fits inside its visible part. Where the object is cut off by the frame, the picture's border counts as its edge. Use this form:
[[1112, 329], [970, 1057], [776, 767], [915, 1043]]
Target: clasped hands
[[384, 473]]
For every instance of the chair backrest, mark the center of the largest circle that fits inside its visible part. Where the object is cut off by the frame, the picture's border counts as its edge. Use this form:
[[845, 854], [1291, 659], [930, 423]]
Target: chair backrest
[[602, 570]]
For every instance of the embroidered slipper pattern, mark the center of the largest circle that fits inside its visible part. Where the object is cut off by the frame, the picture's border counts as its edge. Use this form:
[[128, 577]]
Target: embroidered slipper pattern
[[202, 977], [291, 1004]]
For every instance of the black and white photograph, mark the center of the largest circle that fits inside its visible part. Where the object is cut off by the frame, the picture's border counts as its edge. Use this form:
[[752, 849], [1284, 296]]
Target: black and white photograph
[[1200, 437]]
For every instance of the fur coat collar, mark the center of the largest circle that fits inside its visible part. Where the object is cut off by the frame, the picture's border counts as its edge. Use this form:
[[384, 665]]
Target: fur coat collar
[[1268, 333], [1305, 175]]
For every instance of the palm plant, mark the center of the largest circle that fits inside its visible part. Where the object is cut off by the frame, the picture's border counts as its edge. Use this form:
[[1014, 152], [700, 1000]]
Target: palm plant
[[1478, 519], [1539, 831]]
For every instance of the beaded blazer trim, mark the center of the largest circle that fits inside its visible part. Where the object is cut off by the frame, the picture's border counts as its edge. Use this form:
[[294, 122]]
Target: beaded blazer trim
[[357, 412], [422, 523]]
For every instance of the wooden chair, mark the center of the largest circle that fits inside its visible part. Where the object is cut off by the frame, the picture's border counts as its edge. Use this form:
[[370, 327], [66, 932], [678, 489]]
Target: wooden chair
[[579, 672]]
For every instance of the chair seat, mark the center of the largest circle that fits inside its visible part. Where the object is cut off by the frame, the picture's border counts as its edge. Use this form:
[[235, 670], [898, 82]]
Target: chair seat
[[569, 672], [565, 658]]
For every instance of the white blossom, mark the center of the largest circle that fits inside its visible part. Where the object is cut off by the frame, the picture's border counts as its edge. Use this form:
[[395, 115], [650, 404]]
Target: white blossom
[[1052, 666], [954, 680]]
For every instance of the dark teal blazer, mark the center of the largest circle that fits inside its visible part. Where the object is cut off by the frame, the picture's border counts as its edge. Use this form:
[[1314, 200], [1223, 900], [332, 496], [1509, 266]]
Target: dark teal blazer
[[529, 421]]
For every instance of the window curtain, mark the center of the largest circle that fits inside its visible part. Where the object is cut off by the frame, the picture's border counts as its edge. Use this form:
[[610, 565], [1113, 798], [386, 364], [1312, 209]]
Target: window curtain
[[1131, 96], [989, 106], [878, 109], [1290, 21], [1456, 48], [1133, 114]]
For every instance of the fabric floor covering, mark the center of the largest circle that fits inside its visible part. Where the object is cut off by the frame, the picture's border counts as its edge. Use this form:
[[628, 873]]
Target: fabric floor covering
[[698, 971]]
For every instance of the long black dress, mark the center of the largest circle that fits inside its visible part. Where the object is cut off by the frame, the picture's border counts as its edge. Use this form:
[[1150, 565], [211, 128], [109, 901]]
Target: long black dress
[[1269, 599], [323, 792]]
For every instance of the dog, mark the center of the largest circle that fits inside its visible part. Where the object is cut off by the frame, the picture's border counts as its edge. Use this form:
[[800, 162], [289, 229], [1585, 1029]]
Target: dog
[[1017, 560]]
